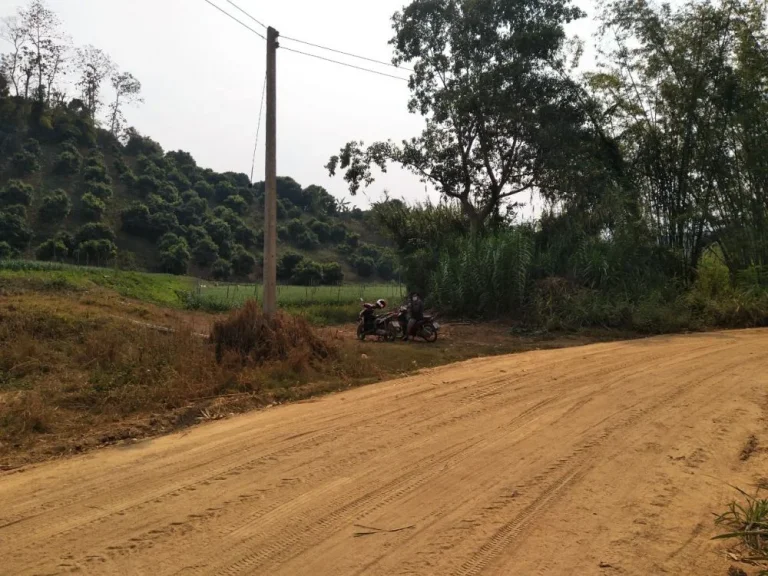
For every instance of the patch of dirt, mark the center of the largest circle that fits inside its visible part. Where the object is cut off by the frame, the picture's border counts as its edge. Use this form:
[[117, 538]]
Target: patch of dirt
[[749, 448]]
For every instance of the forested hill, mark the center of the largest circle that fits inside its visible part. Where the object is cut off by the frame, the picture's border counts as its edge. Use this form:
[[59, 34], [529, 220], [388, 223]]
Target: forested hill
[[71, 191]]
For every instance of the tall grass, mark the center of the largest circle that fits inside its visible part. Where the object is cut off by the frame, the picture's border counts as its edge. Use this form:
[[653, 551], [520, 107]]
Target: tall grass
[[484, 276]]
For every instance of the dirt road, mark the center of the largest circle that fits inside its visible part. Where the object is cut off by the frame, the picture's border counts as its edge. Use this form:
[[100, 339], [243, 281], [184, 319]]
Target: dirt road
[[606, 459]]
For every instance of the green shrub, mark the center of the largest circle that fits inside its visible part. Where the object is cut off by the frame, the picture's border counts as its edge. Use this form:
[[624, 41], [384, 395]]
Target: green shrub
[[92, 208], [175, 258], [55, 207], [16, 192], [96, 251], [52, 250], [101, 190], [25, 163], [243, 262], [14, 231], [68, 163], [308, 240], [363, 265], [307, 273], [135, 220], [236, 203], [7, 252], [206, 252], [286, 265], [94, 231], [332, 274], [221, 269], [96, 173], [17, 210]]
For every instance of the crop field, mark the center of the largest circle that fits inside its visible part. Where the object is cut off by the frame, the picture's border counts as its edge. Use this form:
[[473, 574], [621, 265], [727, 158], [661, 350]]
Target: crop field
[[293, 296]]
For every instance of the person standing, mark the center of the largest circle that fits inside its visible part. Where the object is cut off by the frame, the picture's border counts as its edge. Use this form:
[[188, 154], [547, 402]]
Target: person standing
[[415, 314]]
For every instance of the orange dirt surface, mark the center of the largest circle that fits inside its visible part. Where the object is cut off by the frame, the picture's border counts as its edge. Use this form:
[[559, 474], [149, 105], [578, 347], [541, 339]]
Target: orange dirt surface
[[605, 459]]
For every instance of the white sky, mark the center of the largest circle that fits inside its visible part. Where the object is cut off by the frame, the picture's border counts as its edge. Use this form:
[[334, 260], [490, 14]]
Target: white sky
[[202, 78]]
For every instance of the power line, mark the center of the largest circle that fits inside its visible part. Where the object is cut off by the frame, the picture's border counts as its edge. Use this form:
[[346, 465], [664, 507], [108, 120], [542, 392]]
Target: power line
[[344, 64], [345, 53], [246, 13], [258, 127], [321, 47], [243, 24]]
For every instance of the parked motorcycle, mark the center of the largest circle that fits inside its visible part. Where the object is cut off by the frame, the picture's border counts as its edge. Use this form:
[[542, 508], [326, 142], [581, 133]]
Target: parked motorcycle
[[426, 329], [371, 324]]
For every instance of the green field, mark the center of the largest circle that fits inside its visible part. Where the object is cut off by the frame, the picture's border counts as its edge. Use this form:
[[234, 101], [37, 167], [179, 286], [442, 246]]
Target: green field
[[291, 296], [324, 305], [320, 304]]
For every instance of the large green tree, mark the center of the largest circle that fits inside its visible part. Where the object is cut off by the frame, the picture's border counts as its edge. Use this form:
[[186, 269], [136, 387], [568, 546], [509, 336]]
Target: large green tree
[[489, 80]]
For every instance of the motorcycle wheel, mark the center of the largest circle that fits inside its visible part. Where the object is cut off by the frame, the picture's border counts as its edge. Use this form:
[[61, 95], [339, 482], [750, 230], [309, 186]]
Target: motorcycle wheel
[[360, 332], [429, 333], [393, 333]]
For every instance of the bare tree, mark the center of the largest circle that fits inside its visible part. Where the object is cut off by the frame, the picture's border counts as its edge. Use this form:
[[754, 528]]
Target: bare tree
[[12, 64], [93, 66], [127, 91], [45, 50]]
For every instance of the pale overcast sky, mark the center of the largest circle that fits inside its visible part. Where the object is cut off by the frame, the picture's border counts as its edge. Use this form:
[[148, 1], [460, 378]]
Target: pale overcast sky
[[202, 78]]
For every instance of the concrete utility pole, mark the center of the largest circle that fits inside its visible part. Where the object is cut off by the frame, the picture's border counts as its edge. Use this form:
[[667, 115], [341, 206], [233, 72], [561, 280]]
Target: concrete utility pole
[[270, 197]]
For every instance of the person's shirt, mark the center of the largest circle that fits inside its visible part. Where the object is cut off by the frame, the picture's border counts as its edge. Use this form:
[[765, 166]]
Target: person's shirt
[[417, 309]]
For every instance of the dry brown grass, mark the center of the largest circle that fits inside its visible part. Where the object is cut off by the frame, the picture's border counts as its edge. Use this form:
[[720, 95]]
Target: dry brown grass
[[258, 339], [78, 371]]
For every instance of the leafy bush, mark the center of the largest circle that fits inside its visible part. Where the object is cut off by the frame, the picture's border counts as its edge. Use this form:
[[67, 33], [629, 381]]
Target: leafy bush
[[246, 236], [16, 192], [94, 231], [332, 273], [236, 203], [18, 210], [286, 265], [307, 273], [68, 163], [27, 161], [219, 230], [243, 262], [322, 230], [221, 269], [7, 252], [338, 233], [96, 172], [14, 231], [204, 189], [385, 266], [55, 206], [363, 265], [101, 190], [175, 258], [147, 185], [96, 251], [169, 193], [224, 190], [52, 250], [206, 252], [92, 208], [308, 240], [170, 239], [135, 220]]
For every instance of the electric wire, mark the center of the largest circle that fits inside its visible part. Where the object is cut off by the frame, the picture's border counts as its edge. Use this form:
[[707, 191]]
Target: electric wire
[[258, 127]]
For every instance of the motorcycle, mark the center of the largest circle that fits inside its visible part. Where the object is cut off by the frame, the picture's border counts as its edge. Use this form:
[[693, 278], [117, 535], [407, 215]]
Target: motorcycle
[[369, 324], [426, 329]]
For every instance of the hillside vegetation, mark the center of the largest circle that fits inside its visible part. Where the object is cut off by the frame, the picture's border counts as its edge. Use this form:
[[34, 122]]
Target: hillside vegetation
[[77, 185], [72, 192]]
